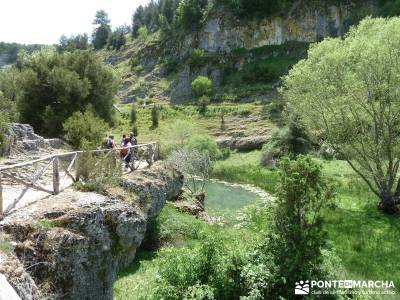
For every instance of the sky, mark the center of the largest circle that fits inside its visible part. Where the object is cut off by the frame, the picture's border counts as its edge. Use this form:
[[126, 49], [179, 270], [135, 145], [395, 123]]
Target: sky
[[44, 21]]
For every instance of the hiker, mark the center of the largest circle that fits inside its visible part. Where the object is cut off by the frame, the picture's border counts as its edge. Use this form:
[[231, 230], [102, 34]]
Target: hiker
[[134, 142], [133, 139], [123, 139], [126, 152], [110, 142]]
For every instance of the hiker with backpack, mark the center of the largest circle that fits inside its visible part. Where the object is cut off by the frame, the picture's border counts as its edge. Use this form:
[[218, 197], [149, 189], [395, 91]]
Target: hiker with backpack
[[110, 142], [126, 152]]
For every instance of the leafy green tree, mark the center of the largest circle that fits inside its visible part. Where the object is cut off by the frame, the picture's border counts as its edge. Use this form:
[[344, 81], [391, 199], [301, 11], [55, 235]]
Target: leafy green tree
[[84, 129], [137, 21], [291, 140], [354, 102], [78, 42], [55, 85], [8, 114], [190, 12], [205, 143], [297, 236], [117, 38], [155, 116], [202, 86], [133, 116], [102, 31]]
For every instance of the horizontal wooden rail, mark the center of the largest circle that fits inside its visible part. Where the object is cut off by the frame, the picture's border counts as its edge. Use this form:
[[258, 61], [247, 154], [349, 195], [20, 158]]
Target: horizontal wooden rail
[[32, 162], [54, 160]]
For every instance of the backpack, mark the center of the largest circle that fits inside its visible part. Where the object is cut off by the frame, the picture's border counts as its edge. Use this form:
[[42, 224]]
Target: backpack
[[133, 141], [124, 151]]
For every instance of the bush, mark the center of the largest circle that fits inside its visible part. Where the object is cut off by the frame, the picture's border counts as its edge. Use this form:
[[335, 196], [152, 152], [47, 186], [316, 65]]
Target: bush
[[197, 58], [7, 114], [206, 271], [96, 171], [155, 116], [206, 144], [133, 116], [202, 86], [143, 32], [259, 72], [297, 236], [189, 13], [85, 129], [292, 140], [203, 102]]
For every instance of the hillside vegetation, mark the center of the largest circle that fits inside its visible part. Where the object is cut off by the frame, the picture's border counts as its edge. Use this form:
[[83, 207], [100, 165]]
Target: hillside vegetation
[[303, 114]]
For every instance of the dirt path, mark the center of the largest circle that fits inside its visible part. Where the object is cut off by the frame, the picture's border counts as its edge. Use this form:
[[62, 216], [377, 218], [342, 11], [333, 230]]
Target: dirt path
[[12, 190]]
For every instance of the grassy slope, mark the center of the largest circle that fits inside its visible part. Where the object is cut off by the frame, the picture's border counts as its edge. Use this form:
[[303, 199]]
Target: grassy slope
[[210, 123]]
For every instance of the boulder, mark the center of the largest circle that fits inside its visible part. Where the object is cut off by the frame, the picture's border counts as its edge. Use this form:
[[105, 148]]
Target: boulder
[[242, 143]]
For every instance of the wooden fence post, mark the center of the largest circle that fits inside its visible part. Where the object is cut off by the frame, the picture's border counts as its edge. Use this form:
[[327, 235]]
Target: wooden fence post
[[1, 195], [56, 176], [76, 165]]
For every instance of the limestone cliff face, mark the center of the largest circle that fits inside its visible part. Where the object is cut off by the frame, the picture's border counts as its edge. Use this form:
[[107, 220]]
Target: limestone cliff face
[[74, 244], [307, 21]]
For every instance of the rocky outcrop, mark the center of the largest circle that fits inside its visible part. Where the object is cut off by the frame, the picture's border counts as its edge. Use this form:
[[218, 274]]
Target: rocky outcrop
[[305, 22], [242, 143], [18, 278], [21, 138], [75, 243]]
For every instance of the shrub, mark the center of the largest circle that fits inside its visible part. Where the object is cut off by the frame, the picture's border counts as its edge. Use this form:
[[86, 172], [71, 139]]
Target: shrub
[[292, 140], [197, 58], [189, 13], [143, 32], [194, 165], [135, 130], [155, 116], [297, 236], [202, 86], [133, 116], [206, 144], [84, 129], [206, 272], [203, 102], [96, 171]]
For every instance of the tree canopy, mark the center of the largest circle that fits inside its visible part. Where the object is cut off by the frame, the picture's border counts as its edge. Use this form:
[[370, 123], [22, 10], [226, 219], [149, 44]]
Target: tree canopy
[[51, 86], [347, 92], [102, 30]]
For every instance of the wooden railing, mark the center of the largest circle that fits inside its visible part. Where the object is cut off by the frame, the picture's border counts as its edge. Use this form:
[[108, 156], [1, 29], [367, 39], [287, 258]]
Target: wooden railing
[[148, 152]]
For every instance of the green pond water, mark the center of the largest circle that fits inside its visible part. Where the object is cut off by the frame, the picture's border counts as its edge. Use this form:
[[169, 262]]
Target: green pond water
[[226, 199]]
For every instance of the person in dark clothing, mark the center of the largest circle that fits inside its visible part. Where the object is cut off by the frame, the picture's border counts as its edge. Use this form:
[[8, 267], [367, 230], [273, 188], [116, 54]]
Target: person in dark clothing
[[110, 142], [123, 139], [126, 152]]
